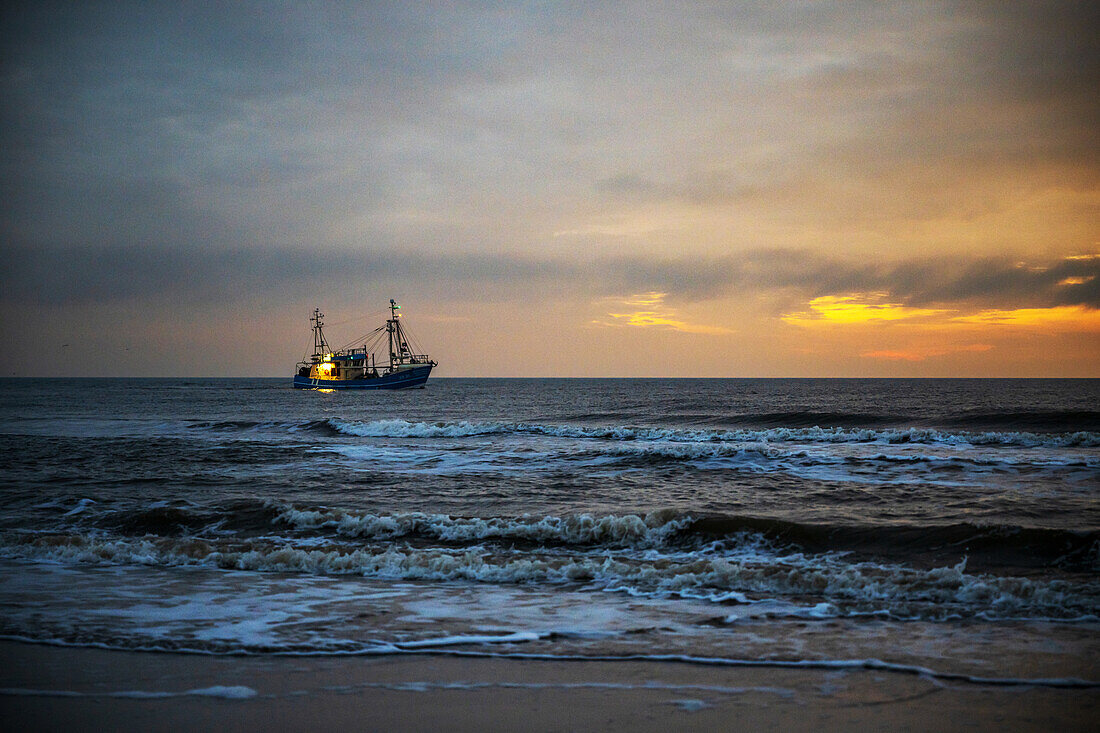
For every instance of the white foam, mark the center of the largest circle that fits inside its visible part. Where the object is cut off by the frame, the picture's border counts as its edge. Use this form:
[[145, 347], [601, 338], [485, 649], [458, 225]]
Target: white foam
[[513, 638], [691, 705], [836, 587], [406, 429], [465, 428], [80, 506], [830, 664], [652, 530], [431, 685], [232, 692]]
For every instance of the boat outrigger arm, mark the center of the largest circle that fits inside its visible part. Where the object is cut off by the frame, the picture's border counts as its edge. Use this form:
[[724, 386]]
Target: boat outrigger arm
[[357, 368]]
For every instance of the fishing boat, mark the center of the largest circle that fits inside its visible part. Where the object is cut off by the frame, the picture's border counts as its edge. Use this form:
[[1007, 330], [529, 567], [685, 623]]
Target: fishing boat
[[358, 368]]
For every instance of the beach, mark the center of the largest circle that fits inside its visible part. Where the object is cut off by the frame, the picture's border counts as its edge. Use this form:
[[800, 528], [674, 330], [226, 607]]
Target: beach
[[47, 688]]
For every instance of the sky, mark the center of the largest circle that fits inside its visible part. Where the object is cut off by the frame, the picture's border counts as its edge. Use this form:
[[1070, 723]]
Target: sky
[[732, 189]]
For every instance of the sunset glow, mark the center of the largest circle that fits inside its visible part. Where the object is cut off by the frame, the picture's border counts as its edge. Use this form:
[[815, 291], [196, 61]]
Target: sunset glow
[[725, 189], [653, 313], [922, 354], [1069, 319], [832, 309]]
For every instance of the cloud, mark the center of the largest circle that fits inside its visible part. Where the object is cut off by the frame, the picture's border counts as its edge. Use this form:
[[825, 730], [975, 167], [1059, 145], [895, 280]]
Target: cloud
[[905, 288], [1051, 296], [830, 289], [923, 353], [871, 307], [198, 274], [1045, 320], [296, 117], [648, 310]]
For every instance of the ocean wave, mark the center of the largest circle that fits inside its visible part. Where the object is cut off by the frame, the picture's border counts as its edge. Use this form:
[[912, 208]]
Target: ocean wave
[[1035, 420], [667, 531], [324, 426], [670, 529], [767, 456], [464, 428], [655, 529], [811, 418], [407, 429], [846, 587], [803, 431], [777, 428]]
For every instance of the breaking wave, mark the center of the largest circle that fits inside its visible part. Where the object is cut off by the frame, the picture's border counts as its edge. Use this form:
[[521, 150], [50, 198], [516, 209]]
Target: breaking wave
[[784, 431], [463, 428], [830, 586], [898, 570], [656, 529], [664, 530]]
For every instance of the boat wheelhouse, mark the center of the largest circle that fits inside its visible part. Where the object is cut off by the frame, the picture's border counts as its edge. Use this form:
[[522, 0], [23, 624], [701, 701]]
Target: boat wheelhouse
[[358, 368]]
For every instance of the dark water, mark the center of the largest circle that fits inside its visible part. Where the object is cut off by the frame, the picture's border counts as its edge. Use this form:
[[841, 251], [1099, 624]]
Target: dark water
[[944, 526]]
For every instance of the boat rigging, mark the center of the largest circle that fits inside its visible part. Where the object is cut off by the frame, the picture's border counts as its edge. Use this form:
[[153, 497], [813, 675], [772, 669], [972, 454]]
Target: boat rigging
[[358, 368]]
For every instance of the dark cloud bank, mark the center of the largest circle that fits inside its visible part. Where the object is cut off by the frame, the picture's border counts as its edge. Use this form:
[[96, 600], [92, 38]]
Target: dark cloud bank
[[190, 274]]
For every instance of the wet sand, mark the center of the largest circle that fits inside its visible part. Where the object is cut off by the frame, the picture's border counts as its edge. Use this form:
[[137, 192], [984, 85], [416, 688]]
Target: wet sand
[[55, 688]]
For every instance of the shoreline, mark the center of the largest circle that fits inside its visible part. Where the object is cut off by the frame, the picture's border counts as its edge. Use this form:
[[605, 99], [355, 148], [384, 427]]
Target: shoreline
[[52, 688]]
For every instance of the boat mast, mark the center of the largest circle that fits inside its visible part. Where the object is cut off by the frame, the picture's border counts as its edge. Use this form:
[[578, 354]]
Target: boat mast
[[392, 329], [320, 346]]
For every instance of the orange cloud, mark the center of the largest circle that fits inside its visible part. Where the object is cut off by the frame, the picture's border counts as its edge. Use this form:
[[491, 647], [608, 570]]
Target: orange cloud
[[872, 308], [857, 308], [880, 329], [1060, 318], [653, 313], [919, 354]]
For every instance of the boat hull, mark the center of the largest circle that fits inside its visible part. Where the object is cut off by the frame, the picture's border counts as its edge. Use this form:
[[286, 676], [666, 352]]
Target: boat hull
[[404, 379]]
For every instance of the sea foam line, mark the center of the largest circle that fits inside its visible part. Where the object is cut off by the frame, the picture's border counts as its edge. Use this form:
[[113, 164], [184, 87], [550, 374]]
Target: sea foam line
[[848, 664], [465, 428], [234, 692], [869, 663], [429, 685]]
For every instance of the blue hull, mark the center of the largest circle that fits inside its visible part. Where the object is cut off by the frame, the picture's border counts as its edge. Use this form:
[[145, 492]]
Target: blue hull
[[415, 377]]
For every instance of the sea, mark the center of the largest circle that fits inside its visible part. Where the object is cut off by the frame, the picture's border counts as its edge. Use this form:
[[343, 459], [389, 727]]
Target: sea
[[948, 528]]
